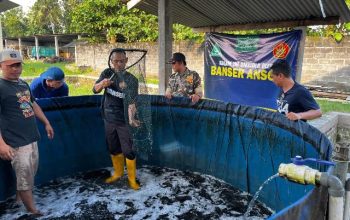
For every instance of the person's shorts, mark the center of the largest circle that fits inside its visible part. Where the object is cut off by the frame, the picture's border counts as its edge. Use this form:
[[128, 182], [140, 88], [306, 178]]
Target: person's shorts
[[119, 139], [25, 165]]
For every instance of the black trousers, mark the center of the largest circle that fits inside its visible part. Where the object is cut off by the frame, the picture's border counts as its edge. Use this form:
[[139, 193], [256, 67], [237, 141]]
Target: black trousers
[[119, 139]]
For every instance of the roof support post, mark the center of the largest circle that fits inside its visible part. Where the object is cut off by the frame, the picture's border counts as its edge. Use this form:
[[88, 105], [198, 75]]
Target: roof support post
[[20, 46], [300, 53], [37, 47], [56, 47], [1, 40], [76, 51], [165, 39]]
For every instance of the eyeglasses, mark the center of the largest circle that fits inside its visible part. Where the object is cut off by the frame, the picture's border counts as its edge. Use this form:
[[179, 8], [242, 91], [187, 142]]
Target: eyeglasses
[[118, 61]]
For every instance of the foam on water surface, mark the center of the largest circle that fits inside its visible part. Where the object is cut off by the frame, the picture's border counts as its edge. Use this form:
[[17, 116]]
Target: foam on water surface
[[165, 194]]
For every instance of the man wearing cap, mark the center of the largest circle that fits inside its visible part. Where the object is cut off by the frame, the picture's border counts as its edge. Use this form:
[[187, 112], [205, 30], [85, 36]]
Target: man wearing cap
[[49, 84], [19, 132], [183, 82]]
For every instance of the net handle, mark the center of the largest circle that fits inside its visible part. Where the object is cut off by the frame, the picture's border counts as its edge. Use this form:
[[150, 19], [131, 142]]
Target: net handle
[[121, 49]]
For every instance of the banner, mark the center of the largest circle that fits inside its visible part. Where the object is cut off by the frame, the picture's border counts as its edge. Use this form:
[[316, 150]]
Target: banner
[[237, 67]]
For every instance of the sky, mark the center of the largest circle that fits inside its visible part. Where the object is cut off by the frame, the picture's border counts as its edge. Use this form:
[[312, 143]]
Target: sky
[[25, 3]]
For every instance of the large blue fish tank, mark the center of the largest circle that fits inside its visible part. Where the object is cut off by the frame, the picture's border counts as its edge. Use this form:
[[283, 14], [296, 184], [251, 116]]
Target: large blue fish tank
[[241, 145]]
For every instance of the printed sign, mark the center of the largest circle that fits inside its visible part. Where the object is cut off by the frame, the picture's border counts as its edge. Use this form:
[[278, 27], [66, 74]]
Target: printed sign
[[237, 67]]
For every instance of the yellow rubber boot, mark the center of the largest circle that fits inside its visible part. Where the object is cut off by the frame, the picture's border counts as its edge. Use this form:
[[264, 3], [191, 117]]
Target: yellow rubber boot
[[118, 165], [131, 166]]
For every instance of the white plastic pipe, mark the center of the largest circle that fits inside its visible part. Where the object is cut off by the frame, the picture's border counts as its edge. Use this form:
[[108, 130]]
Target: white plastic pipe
[[336, 205], [307, 175], [347, 206], [336, 196], [347, 199]]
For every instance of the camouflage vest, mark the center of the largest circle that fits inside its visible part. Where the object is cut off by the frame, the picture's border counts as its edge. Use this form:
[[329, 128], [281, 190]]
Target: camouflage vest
[[184, 84]]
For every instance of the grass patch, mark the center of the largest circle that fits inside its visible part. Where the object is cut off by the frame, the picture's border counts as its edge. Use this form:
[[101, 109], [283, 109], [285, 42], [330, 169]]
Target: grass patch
[[78, 89], [152, 80], [35, 68], [327, 105]]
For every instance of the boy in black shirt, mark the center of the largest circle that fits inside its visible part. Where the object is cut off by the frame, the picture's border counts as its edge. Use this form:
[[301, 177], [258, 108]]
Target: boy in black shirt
[[295, 101]]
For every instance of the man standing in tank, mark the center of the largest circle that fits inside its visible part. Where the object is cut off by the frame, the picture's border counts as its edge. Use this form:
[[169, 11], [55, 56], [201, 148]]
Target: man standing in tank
[[118, 109]]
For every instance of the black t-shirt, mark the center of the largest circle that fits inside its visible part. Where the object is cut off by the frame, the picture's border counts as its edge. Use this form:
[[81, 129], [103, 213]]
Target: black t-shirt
[[17, 119], [122, 92], [297, 99]]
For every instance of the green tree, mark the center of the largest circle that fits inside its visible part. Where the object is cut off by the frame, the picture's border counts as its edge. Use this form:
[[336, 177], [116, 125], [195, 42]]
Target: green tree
[[182, 32], [337, 32], [112, 19], [14, 23], [45, 17], [69, 6]]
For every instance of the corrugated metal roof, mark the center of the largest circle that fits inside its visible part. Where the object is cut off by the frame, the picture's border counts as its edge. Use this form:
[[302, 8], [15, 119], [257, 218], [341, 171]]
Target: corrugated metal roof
[[49, 38], [7, 5], [206, 13]]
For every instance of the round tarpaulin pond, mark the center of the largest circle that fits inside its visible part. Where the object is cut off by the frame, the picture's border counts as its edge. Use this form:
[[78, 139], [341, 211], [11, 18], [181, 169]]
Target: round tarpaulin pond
[[240, 145]]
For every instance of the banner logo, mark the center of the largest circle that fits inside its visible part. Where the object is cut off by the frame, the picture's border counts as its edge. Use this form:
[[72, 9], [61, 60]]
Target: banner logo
[[215, 52], [247, 44], [281, 50]]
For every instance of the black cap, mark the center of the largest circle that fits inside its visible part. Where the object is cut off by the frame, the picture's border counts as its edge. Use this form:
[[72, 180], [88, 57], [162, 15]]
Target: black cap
[[178, 57]]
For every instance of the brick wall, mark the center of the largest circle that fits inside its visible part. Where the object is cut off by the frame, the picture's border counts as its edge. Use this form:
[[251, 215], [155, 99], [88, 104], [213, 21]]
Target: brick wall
[[325, 63], [96, 55]]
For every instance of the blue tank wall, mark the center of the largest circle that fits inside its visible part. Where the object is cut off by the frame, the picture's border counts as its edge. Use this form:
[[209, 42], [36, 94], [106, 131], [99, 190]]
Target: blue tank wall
[[241, 145], [78, 145]]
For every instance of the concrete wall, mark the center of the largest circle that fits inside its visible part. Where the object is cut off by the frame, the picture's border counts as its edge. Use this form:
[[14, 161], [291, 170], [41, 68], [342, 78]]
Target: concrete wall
[[335, 125], [325, 63], [328, 124]]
